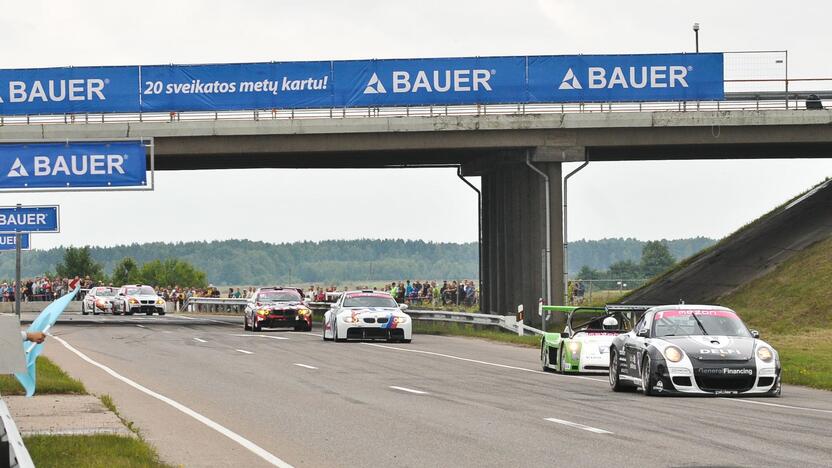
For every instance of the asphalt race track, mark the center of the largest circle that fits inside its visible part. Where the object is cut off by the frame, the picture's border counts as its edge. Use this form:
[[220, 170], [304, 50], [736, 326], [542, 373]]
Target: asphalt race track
[[206, 393]]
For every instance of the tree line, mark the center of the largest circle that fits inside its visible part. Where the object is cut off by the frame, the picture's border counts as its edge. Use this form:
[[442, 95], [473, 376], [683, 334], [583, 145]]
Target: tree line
[[245, 262]]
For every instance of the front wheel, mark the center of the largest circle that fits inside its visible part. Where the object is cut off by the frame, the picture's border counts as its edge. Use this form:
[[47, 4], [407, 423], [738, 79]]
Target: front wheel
[[83, 309], [615, 373], [335, 331], [245, 324], [647, 378], [544, 359]]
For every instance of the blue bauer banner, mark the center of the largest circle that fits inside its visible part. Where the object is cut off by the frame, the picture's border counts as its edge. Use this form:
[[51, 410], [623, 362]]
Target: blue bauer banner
[[29, 219], [101, 164], [618, 78], [364, 83], [69, 90], [7, 241], [292, 85], [418, 82]]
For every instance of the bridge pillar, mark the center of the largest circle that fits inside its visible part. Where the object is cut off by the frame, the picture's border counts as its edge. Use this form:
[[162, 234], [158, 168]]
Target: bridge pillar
[[514, 237]]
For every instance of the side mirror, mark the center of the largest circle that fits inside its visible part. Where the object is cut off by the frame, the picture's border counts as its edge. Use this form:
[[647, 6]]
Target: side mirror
[[403, 306], [755, 333], [643, 333], [564, 335]]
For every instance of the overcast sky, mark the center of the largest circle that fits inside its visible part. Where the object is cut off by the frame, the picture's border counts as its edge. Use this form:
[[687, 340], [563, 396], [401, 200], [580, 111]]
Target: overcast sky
[[607, 199]]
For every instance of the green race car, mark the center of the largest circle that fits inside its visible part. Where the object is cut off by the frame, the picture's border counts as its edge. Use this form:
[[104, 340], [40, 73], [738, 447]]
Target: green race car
[[584, 344]]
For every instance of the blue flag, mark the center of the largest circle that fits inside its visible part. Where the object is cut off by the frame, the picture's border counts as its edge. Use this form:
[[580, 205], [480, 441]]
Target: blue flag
[[42, 323]]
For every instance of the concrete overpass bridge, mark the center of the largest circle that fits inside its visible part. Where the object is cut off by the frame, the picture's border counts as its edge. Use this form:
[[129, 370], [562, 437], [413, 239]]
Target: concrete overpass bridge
[[497, 147]]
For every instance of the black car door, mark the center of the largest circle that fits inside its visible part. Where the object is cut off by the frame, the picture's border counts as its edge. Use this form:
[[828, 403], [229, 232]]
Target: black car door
[[634, 346]]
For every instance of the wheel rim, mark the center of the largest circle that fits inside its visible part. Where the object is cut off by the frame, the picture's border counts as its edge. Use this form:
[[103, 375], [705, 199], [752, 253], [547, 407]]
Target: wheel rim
[[545, 358], [645, 375], [613, 368]]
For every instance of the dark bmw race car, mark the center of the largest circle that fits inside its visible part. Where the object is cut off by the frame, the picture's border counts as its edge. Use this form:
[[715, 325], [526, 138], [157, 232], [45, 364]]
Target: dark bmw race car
[[694, 350], [277, 308]]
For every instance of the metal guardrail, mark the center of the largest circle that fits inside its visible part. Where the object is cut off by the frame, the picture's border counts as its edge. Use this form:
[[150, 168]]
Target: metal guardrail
[[13, 453], [507, 322], [192, 302]]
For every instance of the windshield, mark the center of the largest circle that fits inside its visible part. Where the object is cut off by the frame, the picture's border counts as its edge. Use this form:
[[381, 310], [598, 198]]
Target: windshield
[[698, 322], [278, 296], [106, 292], [369, 300], [140, 291]]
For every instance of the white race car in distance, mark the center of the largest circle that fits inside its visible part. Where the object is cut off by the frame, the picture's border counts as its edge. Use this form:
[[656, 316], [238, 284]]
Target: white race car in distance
[[98, 299], [367, 315], [138, 298]]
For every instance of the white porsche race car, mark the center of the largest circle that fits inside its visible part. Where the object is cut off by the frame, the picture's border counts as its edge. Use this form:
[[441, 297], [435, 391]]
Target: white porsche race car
[[367, 315]]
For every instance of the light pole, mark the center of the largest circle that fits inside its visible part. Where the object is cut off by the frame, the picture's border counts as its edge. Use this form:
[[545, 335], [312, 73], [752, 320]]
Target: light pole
[[696, 33]]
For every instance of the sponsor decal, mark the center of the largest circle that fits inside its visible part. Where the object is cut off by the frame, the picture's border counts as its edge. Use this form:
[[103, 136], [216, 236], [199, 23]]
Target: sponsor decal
[[724, 371], [721, 352], [700, 313]]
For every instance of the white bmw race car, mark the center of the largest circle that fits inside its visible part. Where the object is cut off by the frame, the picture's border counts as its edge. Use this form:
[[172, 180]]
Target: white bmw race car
[[367, 315]]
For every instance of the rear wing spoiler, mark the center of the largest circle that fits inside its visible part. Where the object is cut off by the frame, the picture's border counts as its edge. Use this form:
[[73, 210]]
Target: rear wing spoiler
[[636, 310]]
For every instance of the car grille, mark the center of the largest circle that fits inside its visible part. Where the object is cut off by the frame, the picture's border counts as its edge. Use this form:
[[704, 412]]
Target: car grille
[[714, 379], [358, 333], [369, 320], [148, 302], [765, 381], [682, 381], [381, 320]]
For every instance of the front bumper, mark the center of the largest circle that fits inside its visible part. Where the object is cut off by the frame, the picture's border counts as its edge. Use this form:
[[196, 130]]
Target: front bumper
[[145, 309], [718, 378], [283, 321]]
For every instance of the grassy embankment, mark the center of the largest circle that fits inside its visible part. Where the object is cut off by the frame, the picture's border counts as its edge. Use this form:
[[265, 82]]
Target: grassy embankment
[[103, 450], [792, 308]]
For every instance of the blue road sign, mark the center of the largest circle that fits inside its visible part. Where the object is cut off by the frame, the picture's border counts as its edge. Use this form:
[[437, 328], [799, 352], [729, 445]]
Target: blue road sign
[[7, 241], [104, 164], [29, 219]]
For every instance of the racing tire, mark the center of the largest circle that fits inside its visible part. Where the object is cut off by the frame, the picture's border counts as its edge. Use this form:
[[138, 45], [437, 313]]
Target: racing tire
[[616, 384], [544, 359], [647, 378], [245, 324], [148, 313], [335, 331], [96, 313], [561, 367], [161, 313], [405, 340], [777, 390], [255, 327]]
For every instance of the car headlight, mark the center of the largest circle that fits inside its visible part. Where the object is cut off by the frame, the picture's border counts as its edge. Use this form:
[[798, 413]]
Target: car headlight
[[399, 319], [765, 354], [263, 312], [350, 319], [160, 301], [574, 346], [304, 312], [133, 301], [673, 354]]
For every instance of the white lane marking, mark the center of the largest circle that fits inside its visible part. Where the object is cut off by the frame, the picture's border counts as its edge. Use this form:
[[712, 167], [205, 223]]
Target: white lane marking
[[244, 351], [578, 426], [305, 366], [141, 326], [184, 317], [262, 336], [310, 334], [409, 390], [251, 446], [504, 366], [802, 408], [200, 340]]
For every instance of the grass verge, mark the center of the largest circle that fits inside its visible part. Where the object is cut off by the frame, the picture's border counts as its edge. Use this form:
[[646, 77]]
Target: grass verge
[[51, 379], [93, 451], [804, 358], [474, 331]]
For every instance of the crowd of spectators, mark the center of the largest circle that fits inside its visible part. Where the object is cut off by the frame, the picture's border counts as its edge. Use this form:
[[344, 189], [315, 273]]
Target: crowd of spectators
[[42, 288], [459, 293]]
